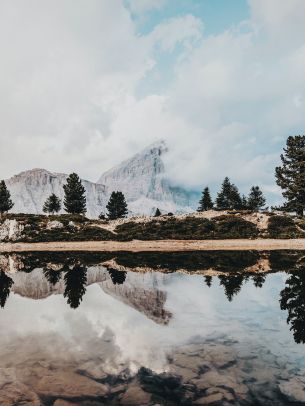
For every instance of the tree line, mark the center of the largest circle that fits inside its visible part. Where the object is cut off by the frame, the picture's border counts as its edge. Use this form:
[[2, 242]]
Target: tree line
[[229, 198], [74, 200], [290, 176]]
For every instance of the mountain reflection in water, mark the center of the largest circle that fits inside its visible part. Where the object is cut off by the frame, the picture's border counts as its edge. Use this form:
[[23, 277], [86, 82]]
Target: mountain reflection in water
[[152, 328]]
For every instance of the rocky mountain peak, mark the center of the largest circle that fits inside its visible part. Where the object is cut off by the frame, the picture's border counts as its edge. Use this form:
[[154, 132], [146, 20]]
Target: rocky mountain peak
[[141, 178]]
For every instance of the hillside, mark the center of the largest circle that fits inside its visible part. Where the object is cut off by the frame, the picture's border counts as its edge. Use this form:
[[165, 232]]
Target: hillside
[[210, 225]]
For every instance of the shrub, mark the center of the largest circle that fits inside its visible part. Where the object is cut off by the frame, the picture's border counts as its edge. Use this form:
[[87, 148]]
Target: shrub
[[282, 227], [234, 227]]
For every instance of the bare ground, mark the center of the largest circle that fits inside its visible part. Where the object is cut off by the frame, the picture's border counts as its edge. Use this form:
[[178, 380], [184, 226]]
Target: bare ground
[[162, 245]]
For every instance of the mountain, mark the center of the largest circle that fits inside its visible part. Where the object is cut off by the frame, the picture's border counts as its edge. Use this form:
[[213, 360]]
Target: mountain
[[30, 190], [142, 293], [143, 182], [141, 179]]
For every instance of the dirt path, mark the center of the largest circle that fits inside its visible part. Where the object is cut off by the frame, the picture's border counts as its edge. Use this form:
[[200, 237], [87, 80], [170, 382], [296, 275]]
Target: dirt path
[[163, 245]]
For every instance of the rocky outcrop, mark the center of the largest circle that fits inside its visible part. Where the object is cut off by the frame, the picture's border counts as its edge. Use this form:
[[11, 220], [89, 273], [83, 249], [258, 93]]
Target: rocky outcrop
[[30, 189], [143, 294], [10, 230], [141, 179]]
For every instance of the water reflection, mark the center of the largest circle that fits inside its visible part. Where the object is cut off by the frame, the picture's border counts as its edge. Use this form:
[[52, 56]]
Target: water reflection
[[5, 287], [151, 328]]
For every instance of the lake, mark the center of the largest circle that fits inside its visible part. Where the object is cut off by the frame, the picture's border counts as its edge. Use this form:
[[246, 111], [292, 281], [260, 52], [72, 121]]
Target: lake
[[193, 328]]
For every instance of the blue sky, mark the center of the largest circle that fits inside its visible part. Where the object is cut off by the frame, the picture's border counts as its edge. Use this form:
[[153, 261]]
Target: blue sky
[[221, 81], [217, 15]]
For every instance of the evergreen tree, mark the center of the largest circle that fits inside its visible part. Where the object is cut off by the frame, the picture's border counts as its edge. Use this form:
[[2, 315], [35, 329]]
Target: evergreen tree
[[232, 285], [228, 197], [75, 280], [52, 204], [102, 216], [157, 213], [117, 277], [208, 280], [117, 206], [244, 202], [205, 203], [235, 199], [75, 199], [256, 199], [291, 175], [5, 287], [6, 203], [259, 280], [293, 300], [52, 276]]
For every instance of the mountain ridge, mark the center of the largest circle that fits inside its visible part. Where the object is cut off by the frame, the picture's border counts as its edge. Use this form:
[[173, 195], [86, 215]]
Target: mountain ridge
[[141, 178]]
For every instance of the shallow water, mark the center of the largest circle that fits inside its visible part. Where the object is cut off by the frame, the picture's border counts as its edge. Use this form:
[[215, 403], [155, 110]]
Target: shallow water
[[148, 329]]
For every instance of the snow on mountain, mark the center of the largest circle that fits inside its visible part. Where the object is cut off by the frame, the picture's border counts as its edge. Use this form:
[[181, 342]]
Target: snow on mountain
[[143, 182], [141, 179]]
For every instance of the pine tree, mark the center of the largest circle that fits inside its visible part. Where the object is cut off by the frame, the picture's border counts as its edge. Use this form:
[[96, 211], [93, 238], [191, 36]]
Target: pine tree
[[75, 199], [5, 287], [52, 204], [6, 203], [256, 199], [223, 197], [117, 206], [292, 299], [205, 203], [244, 202], [102, 216], [76, 281], [157, 213], [291, 175], [235, 199], [228, 197]]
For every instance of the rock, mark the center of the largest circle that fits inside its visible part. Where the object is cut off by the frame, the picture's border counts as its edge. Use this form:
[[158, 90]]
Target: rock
[[61, 402], [52, 225], [11, 230], [294, 389], [141, 179], [13, 392], [69, 384], [213, 379], [214, 399], [135, 396]]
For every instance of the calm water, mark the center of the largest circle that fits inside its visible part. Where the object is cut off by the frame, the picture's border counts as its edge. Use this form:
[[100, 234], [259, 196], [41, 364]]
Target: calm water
[[152, 329]]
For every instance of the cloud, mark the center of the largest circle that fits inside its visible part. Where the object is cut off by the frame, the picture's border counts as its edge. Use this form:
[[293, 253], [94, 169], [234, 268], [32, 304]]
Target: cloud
[[143, 6], [73, 74]]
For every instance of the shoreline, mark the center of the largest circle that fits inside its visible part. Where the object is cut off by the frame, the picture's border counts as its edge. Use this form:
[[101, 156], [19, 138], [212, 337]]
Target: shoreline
[[158, 245]]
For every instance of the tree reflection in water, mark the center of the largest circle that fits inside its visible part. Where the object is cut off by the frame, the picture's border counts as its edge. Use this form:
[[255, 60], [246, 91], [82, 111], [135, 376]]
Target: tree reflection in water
[[5, 287], [293, 300], [117, 277], [52, 276], [232, 285], [75, 281]]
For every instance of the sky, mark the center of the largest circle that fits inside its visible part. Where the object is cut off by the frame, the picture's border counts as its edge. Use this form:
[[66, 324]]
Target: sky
[[86, 84]]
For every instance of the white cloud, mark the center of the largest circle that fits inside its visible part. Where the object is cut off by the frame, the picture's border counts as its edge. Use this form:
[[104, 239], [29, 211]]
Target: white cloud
[[71, 70]]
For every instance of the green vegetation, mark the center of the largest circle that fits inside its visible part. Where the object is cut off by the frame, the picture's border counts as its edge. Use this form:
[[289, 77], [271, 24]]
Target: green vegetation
[[256, 200], [282, 227], [117, 206], [6, 203], [190, 228], [205, 202], [291, 175], [228, 198], [75, 199], [52, 204]]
